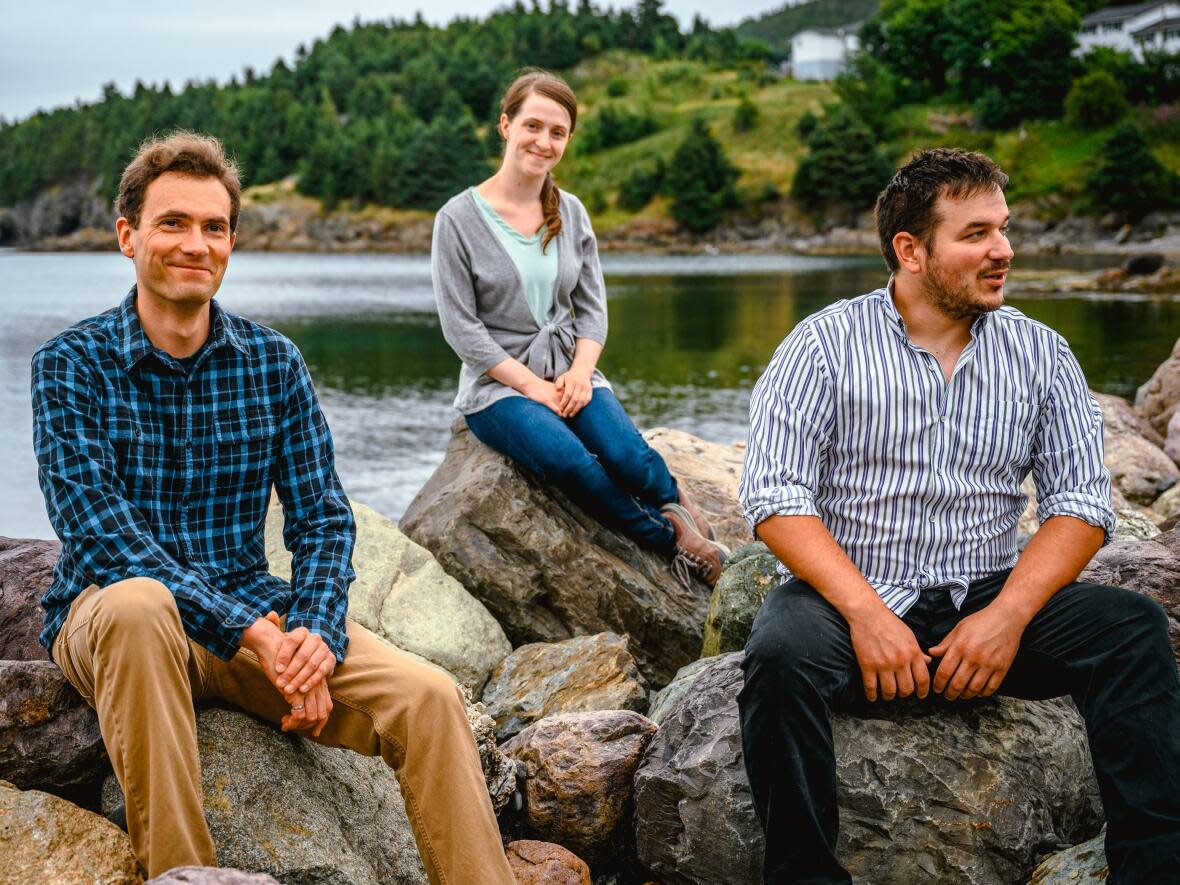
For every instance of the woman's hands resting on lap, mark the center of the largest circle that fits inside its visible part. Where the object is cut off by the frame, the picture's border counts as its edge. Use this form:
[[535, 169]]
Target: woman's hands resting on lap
[[574, 391], [544, 392]]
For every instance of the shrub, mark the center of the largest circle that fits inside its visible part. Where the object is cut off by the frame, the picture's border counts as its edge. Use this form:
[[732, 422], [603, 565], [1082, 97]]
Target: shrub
[[1095, 100], [640, 187], [616, 87], [1131, 182], [843, 167], [700, 181], [745, 115]]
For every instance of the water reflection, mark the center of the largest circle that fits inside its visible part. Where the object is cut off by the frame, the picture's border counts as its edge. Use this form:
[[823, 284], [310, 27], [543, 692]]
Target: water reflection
[[688, 338]]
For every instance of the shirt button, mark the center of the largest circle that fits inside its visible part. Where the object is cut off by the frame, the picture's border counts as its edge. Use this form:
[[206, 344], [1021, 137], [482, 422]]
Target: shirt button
[[188, 443]]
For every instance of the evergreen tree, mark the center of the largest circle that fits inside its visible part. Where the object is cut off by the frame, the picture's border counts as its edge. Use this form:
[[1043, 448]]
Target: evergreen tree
[[700, 180], [1131, 182], [443, 158], [843, 168], [745, 115]]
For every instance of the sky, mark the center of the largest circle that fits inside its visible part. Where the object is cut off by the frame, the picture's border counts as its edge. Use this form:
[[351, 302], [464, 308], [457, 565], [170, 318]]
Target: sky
[[55, 52]]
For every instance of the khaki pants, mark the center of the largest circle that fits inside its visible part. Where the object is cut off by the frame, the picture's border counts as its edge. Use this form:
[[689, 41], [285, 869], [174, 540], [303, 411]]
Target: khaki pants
[[124, 649]]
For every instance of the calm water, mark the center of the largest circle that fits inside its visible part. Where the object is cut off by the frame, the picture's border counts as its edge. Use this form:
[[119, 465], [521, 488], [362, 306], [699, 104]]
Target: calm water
[[689, 336]]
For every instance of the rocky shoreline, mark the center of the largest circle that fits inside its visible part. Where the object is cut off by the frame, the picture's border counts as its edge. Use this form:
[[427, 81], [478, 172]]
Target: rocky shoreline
[[277, 219], [606, 718]]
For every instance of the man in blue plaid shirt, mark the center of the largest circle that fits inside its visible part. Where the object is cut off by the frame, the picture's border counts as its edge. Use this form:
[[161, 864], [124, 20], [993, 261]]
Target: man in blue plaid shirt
[[160, 428]]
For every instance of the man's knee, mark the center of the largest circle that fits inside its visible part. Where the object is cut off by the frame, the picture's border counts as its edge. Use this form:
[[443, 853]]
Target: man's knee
[[793, 644], [136, 605]]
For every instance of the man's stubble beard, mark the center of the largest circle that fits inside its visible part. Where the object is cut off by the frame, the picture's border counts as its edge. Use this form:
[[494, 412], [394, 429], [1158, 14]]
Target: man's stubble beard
[[956, 301]]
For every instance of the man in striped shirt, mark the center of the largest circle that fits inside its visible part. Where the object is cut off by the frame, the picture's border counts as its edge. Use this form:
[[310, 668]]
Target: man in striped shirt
[[888, 440]]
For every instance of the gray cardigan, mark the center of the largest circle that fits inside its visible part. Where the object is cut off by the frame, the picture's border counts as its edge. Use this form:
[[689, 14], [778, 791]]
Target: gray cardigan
[[481, 304]]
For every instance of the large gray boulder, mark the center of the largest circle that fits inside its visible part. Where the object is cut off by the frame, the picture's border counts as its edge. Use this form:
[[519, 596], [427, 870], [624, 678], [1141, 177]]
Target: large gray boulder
[[749, 575], [1157, 399], [26, 570], [1133, 453], [1149, 567], [546, 569], [403, 595], [578, 675], [928, 793], [211, 876], [49, 735], [282, 805], [1083, 864], [667, 699], [46, 839]]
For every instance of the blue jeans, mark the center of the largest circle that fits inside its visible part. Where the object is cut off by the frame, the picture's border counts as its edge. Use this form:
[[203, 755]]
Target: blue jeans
[[597, 458]]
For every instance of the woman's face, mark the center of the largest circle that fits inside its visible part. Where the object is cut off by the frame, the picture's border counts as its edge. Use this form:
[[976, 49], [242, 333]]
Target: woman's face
[[536, 136]]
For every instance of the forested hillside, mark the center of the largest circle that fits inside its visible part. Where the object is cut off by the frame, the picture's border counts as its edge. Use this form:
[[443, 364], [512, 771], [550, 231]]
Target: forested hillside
[[385, 112], [777, 28]]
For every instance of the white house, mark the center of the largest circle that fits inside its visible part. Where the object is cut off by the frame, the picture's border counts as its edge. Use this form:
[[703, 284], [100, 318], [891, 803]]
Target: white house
[[819, 55], [1133, 29]]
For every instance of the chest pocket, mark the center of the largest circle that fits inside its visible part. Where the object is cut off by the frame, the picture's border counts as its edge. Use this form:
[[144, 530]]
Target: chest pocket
[[140, 448], [1009, 434], [244, 451]]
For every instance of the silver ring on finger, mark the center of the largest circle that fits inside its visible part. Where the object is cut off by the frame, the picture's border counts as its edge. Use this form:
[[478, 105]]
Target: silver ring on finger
[[297, 707]]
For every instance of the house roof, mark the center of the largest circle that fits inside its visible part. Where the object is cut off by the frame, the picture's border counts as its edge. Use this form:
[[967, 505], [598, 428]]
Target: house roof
[[1117, 13], [1164, 24]]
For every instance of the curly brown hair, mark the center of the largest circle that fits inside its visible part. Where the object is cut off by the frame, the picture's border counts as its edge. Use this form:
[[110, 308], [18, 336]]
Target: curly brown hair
[[188, 153]]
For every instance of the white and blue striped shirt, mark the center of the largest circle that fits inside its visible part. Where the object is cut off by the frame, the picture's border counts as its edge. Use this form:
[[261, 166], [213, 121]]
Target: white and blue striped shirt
[[918, 479]]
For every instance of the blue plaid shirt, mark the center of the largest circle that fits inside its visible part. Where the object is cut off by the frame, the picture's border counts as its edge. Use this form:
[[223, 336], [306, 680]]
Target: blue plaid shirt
[[150, 470]]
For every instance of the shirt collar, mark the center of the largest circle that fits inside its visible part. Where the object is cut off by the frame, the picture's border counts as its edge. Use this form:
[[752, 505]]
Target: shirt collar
[[134, 343], [894, 318]]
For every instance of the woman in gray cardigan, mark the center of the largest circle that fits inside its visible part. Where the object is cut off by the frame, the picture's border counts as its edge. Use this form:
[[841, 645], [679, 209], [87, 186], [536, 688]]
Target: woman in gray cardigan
[[522, 302]]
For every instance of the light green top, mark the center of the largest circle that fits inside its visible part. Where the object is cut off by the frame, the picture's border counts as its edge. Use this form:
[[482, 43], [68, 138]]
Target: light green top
[[537, 269]]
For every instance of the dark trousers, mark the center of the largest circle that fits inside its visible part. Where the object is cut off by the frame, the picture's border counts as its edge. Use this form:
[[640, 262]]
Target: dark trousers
[[1105, 647]]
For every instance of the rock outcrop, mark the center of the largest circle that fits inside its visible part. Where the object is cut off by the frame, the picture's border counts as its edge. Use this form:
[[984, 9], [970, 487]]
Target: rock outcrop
[[546, 569], [26, 570], [580, 768], [578, 675], [282, 805], [211, 876], [928, 793], [749, 575], [47, 839], [403, 595], [49, 735], [1157, 399], [1083, 864], [1150, 567], [543, 863], [668, 698], [1133, 453]]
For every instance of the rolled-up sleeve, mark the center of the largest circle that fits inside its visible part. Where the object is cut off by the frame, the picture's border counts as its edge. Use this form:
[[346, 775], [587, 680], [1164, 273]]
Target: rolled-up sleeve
[[1068, 469], [454, 292], [791, 414]]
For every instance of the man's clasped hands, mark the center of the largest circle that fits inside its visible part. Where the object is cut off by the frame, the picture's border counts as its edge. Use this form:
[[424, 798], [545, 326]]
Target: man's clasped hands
[[298, 663]]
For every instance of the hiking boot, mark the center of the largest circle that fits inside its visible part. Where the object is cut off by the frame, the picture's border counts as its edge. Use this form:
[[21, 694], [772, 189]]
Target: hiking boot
[[698, 516], [695, 554]]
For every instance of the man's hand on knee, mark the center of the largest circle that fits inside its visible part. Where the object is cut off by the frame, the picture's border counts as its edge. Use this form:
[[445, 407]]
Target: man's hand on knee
[[303, 662], [310, 711], [892, 664], [976, 654]]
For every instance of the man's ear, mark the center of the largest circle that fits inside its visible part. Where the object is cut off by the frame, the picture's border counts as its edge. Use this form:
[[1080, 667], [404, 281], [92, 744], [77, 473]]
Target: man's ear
[[123, 233], [910, 252]]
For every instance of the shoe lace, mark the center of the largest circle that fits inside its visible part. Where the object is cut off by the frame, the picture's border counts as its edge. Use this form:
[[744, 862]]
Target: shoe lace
[[686, 565]]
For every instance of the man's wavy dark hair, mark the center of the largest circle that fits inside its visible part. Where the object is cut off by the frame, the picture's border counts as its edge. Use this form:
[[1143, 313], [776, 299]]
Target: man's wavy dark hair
[[909, 202]]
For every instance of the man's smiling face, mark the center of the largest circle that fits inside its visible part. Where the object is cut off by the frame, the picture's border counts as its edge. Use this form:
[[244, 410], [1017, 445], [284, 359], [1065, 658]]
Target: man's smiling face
[[182, 244]]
